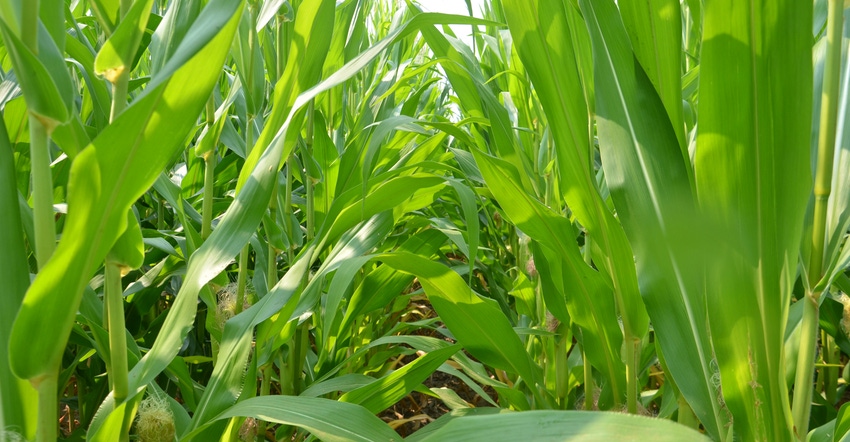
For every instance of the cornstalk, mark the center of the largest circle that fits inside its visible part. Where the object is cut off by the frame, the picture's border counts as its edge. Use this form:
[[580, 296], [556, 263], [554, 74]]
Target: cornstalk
[[801, 408], [588, 369], [265, 389], [632, 345], [42, 192], [308, 180], [113, 298], [287, 210], [42, 180], [281, 39], [271, 280], [117, 341], [209, 176], [831, 361], [271, 268], [209, 185], [48, 418], [44, 225], [242, 275], [588, 381]]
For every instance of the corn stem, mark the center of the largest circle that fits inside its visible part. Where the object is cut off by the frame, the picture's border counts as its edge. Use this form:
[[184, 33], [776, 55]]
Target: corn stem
[[119, 94], [242, 275], [113, 294], [209, 176], [42, 180], [801, 408], [44, 225], [42, 192], [308, 179], [632, 388], [271, 269], [48, 418], [588, 381], [831, 362], [287, 210], [802, 404], [265, 389], [209, 186]]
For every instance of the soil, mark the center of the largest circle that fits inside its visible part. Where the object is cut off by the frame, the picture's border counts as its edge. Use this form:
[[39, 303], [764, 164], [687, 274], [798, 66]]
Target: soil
[[416, 410]]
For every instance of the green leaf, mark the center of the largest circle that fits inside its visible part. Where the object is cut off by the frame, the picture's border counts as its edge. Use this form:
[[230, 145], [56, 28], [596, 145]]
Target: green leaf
[[299, 75], [579, 426], [327, 419], [106, 12], [545, 44], [249, 64], [172, 30], [106, 178], [117, 54], [655, 30], [129, 248], [17, 397], [649, 183], [383, 393], [590, 302], [227, 377], [238, 224], [753, 182], [43, 78], [381, 285], [480, 326], [842, 425], [838, 215]]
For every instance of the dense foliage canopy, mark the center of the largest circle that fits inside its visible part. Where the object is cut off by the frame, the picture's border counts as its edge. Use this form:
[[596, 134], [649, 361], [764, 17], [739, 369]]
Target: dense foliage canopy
[[338, 220]]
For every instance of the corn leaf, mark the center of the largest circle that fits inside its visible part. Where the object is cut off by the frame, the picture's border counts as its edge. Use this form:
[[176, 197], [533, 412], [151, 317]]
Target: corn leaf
[[16, 395], [43, 77], [545, 44], [329, 420], [479, 326], [117, 54], [554, 426], [655, 31], [577, 287], [753, 183], [106, 178], [649, 184], [386, 391]]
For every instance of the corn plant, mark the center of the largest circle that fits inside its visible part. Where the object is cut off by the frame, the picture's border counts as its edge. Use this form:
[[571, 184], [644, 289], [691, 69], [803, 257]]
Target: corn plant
[[247, 220]]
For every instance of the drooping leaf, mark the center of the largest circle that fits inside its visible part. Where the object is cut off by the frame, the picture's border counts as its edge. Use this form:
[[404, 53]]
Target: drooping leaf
[[551, 426], [386, 391], [650, 186], [328, 419], [478, 325]]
